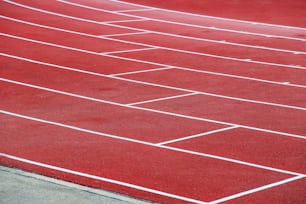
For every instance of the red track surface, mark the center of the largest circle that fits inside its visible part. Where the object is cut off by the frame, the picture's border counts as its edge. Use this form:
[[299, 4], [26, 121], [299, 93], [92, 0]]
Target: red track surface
[[157, 104]]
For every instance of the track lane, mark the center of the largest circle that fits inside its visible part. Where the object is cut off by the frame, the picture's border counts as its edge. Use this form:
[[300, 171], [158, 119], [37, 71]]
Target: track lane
[[225, 86], [63, 38], [100, 87], [252, 146], [60, 56], [288, 76], [290, 193], [67, 152], [214, 56], [117, 72], [236, 112], [99, 116], [29, 15], [233, 27], [222, 66], [219, 49], [283, 14], [55, 6], [198, 21], [199, 34], [110, 5]]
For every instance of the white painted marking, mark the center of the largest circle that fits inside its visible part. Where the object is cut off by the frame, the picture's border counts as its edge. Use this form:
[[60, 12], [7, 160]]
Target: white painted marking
[[132, 50], [186, 24], [124, 21], [135, 10], [216, 95], [162, 99], [99, 178], [198, 135], [236, 76], [151, 110], [179, 36], [143, 61], [123, 34], [212, 94], [91, 21], [151, 144], [148, 45], [212, 17], [265, 187], [83, 34], [140, 44], [140, 71]]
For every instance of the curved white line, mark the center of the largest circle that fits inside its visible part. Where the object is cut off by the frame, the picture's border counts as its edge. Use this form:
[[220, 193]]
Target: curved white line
[[212, 17], [181, 36]]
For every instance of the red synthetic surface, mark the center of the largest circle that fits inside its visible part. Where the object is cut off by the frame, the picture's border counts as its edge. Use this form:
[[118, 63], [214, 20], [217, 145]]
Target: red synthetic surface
[[283, 12], [191, 120]]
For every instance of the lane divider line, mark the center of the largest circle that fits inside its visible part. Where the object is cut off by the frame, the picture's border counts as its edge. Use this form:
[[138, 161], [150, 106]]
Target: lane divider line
[[124, 21], [211, 17], [180, 36], [128, 51], [161, 99], [152, 144], [150, 110], [198, 135], [123, 34], [184, 24], [140, 44], [99, 178], [201, 92], [153, 63], [135, 10], [255, 190]]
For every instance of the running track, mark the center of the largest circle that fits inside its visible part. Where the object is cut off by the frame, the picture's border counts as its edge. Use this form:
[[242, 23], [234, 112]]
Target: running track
[[160, 105]]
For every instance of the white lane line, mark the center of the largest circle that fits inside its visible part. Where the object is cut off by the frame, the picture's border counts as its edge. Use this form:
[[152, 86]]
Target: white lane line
[[211, 17], [150, 110], [80, 19], [135, 10], [58, 14], [117, 182], [140, 44], [153, 63], [186, 37], [149, 45], [255, 190], [123, 34], [202, 54], [206, 93], [80, 50], [151, 144], [219, 95], [162, 99], [158, 64], [180, 23], [132, 50], [124, 21], [198, 135], [141, 71]]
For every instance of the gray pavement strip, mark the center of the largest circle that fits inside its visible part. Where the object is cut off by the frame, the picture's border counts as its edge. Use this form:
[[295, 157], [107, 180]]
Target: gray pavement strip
[[21, 187]]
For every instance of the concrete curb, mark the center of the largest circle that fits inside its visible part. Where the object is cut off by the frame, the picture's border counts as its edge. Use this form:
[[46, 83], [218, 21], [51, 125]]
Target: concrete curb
[[17, 186]]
